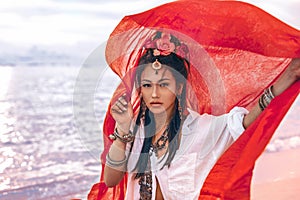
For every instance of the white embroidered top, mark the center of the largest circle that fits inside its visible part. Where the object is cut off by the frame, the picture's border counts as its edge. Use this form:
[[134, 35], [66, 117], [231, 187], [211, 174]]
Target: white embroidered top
[[204, 139]]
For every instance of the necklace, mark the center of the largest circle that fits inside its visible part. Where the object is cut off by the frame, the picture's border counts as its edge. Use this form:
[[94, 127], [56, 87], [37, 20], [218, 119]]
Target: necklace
[[159, 144], [145, 181]]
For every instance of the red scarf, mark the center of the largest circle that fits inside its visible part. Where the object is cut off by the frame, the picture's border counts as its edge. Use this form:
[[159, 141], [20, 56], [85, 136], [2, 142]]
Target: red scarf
[[236, 51]]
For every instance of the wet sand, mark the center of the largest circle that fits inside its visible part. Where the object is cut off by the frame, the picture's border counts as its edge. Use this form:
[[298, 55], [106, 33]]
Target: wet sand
[[277, 176]]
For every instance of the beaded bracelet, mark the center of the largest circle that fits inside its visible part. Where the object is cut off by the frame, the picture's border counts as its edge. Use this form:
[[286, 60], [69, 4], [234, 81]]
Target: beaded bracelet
[[113, 163], [125, 138]]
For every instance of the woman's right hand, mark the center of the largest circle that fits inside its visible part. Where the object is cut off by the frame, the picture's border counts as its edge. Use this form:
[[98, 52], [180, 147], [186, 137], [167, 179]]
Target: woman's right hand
[[122, 113]]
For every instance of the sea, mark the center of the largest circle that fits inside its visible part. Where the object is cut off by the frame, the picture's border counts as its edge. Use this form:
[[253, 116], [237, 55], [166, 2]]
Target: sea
[[51, 130]]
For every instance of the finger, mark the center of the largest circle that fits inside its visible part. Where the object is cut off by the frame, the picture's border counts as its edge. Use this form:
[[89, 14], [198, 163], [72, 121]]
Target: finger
[[122, 103], [122, 99], [117, 107], [120, 106], [117, 110]]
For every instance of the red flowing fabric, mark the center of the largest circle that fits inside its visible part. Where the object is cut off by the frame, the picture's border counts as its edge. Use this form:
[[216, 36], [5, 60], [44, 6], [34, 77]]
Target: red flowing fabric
[[236, 51]]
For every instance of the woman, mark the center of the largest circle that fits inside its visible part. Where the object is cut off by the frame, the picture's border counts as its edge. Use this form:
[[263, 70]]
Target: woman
[[235, 52], [168, 149]]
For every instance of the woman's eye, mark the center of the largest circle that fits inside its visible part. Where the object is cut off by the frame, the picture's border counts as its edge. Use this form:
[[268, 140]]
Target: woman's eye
[[146, 85], [164, 84]]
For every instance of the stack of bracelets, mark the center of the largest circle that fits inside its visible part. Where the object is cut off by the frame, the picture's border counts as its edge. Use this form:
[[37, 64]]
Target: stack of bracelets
[[125, 138], [266, 98], [114, 163]]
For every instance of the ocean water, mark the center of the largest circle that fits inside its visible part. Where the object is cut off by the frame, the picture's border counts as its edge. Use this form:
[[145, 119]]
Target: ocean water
[[50, 130], [50, 139]]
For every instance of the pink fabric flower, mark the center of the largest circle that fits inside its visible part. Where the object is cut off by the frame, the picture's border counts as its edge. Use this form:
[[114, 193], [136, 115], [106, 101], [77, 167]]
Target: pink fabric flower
[[150, 44], [182, 50], [164, 45]]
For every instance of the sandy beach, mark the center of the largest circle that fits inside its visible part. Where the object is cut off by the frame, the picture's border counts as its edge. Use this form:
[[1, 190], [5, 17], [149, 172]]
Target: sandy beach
[[277, 176]]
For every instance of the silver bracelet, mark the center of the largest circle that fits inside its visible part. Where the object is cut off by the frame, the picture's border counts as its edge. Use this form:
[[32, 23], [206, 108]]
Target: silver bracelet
[[125, 138], [266, 98], [114, 163], [270, 93], [261, 104]]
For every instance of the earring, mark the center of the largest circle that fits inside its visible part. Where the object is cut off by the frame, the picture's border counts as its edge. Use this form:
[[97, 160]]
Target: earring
[[143, 108], [179, 107]]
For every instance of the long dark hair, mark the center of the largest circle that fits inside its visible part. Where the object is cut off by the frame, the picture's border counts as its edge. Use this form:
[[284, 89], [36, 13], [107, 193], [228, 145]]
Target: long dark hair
[[179, 68]]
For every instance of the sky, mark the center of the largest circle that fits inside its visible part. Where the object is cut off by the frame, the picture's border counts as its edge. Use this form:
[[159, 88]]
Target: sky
[[77, 27]]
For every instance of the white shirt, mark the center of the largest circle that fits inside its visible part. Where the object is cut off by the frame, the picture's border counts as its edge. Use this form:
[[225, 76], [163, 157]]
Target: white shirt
[[204, 139]]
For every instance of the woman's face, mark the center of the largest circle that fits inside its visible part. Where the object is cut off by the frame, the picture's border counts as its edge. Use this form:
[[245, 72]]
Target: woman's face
[[159, 90]]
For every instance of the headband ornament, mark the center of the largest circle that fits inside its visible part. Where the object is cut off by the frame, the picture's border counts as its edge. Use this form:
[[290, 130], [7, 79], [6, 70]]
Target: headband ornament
[[156, 65], [163, 45]]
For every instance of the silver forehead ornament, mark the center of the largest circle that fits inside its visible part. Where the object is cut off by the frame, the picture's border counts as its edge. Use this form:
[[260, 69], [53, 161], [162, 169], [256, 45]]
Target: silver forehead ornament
[[156, 65]]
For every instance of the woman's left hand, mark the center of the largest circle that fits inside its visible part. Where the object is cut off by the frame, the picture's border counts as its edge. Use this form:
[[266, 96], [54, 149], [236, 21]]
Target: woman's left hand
[[294, 69], [289, 76], [286, 79]]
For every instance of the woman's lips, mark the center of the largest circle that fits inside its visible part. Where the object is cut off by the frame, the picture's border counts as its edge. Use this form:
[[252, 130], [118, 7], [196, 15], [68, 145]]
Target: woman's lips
[[156, 104]]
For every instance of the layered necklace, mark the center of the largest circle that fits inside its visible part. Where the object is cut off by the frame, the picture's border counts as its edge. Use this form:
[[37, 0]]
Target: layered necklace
[[145, 180], [160, 143]]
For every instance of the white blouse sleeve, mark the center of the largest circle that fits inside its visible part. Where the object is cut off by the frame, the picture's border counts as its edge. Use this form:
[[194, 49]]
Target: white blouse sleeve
[[235, 121], [213, 133], [220, 131]]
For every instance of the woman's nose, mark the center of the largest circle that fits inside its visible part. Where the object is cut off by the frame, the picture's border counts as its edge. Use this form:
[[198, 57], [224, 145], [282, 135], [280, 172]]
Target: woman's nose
[[155, 92]]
